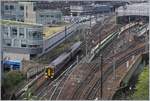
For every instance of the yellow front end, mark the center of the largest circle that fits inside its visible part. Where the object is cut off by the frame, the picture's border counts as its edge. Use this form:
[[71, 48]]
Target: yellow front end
[[49, 72]]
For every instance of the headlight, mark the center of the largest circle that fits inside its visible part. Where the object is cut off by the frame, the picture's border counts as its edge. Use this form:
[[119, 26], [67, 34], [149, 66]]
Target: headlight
[[46, 77]]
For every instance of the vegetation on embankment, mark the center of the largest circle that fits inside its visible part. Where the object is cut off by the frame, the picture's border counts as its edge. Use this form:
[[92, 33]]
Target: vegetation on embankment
[[11, 80], [142, 86], [54, 53]]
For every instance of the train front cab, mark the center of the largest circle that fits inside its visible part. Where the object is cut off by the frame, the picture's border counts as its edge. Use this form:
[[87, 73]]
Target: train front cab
[[49, 72]]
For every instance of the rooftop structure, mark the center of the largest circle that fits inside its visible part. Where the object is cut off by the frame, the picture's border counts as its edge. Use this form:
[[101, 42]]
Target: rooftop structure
[[139, 9], [88, 9], [48, 17]]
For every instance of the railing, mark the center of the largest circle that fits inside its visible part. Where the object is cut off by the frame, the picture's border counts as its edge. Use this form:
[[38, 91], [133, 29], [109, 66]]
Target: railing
[[34, 71], [34, 42], [25, 50]]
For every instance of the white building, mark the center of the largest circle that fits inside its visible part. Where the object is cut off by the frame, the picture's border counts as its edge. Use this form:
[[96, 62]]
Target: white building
[[139, 9], [21, 40], [133, 12], [27, 12], [49, 17]]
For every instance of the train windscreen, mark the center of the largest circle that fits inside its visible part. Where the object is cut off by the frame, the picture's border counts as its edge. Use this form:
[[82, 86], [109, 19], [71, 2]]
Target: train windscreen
[[50, 72]]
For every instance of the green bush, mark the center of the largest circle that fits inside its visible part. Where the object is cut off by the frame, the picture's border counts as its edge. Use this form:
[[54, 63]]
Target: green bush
[[12, 78], [142, 87]]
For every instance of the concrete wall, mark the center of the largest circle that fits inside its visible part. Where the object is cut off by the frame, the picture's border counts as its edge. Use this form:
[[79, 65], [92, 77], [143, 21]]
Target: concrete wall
[[15, 56], [133, 18], [29, 13], [48, 17]]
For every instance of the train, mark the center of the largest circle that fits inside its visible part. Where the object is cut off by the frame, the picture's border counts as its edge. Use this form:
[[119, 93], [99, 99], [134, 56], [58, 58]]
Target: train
[[57, 38], [57, 64]]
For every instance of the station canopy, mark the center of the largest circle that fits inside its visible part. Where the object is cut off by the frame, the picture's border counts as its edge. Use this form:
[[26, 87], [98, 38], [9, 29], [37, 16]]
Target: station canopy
[[138, 9]]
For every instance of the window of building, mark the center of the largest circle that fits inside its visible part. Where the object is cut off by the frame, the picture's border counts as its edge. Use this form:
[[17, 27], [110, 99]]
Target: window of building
[[11, 7], [23, 43], [7, 42], [21, 7], [21, 32], [41, 15], [34, 46], [21, 35], [14, 32], [34, 34], [21, 19], [58, 15], [27, 11], [34, 8], [53, 21], [6, 7]]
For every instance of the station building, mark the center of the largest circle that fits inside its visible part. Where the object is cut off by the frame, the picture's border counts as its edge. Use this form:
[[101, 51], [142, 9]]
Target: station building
[[133, 12], [21, 40], [77, 10]]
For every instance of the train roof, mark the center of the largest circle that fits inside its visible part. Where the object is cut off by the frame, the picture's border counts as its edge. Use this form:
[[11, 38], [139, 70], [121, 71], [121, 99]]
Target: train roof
[[61, 58], [65, 55], [76, 45]]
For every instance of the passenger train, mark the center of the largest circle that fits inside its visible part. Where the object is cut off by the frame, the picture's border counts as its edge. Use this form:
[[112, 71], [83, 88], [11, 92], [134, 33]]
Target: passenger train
[[56, 65]]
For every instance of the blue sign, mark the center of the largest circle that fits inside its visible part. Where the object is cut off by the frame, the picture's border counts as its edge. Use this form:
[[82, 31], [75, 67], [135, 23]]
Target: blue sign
[[12, 64]]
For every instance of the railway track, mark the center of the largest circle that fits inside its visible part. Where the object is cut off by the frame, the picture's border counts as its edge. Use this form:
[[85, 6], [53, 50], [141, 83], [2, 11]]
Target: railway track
[[86, 81], [54, 91], [78, 93], [48, 83], [94, 69], [60, 83], [92, 93], [103, 31], [56, 88]]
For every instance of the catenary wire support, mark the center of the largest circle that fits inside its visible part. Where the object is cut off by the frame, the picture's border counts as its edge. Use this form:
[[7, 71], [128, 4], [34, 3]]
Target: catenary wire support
[[101, 67], [77, 59], [114, 71]]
